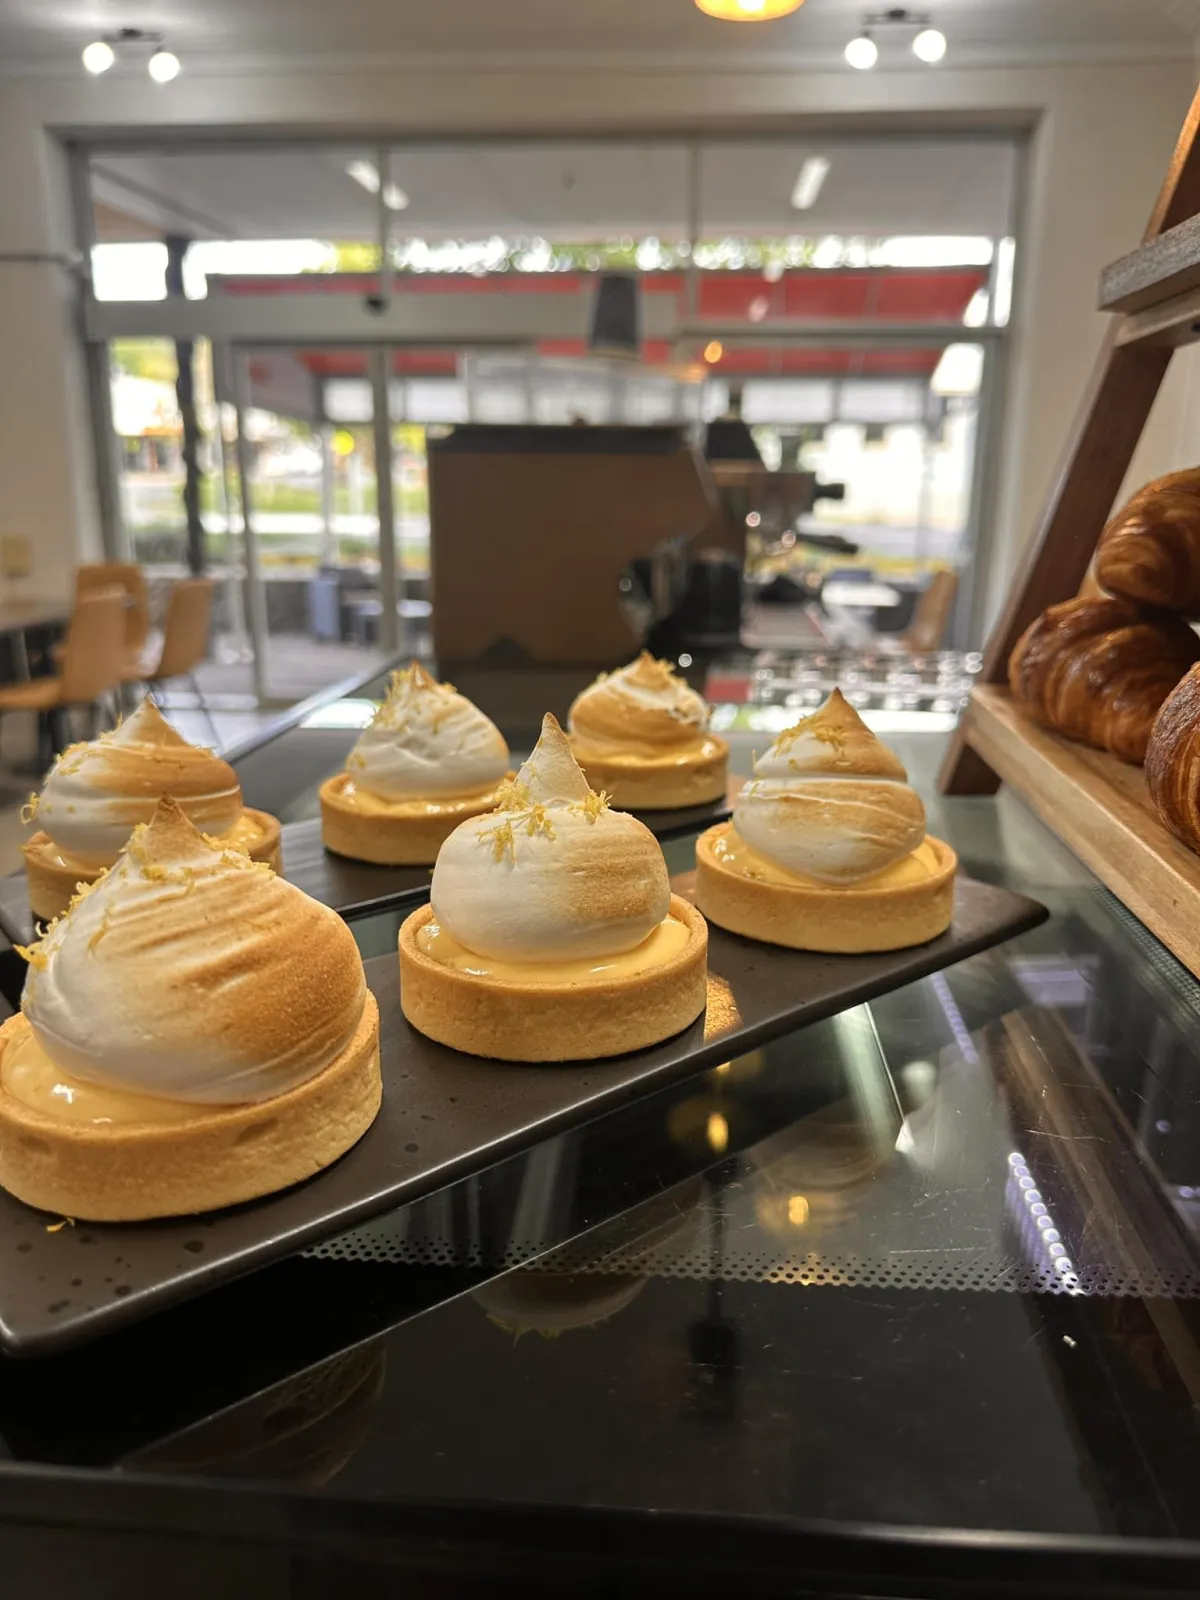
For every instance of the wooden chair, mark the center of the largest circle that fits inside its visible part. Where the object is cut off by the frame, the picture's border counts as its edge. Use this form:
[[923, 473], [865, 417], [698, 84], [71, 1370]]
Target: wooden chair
[[126, 575], [928, 626], [93, 660], [184, 644]]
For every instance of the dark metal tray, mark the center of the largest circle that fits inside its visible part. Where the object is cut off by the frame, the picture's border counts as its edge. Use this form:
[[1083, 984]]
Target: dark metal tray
[[444, 1116], [355, 888]]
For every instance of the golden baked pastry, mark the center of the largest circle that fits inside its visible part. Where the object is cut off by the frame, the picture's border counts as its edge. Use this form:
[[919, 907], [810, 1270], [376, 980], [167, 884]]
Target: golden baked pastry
[[552, 933], [428, 761], [1099, 670], [827, 849], [97, 793], [641, 736], [194, 1032], [1150, 552], [1173, 760]]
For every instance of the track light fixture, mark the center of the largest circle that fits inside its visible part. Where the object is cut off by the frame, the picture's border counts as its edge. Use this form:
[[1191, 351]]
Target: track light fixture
[[862, 53], [162, 64], [928, 43]]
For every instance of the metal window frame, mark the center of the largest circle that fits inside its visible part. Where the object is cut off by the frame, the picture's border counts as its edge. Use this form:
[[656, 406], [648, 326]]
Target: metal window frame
[[394, 320]]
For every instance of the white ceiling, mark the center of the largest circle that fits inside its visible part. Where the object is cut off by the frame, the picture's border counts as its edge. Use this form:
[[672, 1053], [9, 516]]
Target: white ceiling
[[50, 32], [567, 191]]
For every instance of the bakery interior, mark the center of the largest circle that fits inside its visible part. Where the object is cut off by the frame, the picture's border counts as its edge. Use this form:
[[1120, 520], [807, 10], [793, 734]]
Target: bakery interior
[[599, 797]]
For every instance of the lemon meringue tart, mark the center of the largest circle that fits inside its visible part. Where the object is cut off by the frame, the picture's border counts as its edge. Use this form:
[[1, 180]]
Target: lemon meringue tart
[[428, 761], [827, 849], [194, 1032], [641, 736], [97, 793], [552, 933]]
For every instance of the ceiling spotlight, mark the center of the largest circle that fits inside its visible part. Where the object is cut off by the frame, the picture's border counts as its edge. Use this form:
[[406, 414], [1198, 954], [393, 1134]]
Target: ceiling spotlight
[[809, 183], [862, 53], [930, 45], [163, 65], [366, 173], [713, 351], [748, 10], [98, 57]]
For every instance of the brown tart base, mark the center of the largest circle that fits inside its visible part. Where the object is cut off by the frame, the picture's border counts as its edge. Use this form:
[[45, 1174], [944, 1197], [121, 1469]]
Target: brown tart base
[[833, 921], [129, 1172], [52, 884], [392, 838], [513, 1021]]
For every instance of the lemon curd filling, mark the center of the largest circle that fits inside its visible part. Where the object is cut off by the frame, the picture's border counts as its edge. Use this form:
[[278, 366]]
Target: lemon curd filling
[[668, 940], [732, 852], [28, 1074], [245, 834], [637, 756], [373, 805]]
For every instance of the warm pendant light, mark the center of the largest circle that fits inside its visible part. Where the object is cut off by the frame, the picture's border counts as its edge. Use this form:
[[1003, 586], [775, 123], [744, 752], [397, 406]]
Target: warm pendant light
[[748, 10]]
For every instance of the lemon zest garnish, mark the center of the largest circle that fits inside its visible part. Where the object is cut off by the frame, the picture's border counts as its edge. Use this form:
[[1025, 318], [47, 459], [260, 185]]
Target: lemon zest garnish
[[538, 821], [32, 953], [57, 1227], [388, 713], [30, 809], [595, 804], [835, 738], [501, 839], [512, 795]]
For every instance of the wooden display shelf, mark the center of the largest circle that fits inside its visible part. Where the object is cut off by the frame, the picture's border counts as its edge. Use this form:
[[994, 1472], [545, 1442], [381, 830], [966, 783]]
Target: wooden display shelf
[[1099, 807]]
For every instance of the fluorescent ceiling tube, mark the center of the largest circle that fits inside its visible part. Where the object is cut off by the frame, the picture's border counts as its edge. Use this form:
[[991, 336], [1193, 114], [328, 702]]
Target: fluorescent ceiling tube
[[367, 174], [809, 183]]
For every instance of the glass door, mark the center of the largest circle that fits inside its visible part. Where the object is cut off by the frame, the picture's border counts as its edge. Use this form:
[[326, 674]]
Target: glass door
[[315, 581]]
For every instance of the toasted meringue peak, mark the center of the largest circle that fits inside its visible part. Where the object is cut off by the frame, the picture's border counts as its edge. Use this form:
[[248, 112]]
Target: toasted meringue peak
[[427, 742], [643, 704], [190, 973], [554, 875], [551, 775], [834, 740], [97, 793], [829, 801]]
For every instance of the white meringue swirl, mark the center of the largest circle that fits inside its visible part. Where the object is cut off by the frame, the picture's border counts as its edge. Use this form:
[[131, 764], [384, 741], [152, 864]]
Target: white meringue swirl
[[829, 801], [643, 706], [427, 742], [189, 973], [97, 793], [554, 875]]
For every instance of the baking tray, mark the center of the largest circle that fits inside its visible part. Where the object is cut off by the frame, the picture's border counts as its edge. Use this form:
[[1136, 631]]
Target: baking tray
[[445, 1116], [356, 888]]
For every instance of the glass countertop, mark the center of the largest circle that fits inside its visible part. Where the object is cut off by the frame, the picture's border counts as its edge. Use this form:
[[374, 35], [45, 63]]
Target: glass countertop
[[929, 1267]]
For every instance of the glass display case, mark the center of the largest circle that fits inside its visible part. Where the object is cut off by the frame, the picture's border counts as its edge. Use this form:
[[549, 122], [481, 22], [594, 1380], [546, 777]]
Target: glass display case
[[903, 1303]]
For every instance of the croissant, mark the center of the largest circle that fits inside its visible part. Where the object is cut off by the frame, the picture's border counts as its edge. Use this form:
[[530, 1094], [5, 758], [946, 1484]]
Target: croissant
[[1173, 760], [1150, 551], [1098, 671]]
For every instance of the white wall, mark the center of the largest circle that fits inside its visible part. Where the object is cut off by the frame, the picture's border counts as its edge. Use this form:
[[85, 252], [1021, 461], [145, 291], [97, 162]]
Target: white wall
[[1103, 137], [46, 476]]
